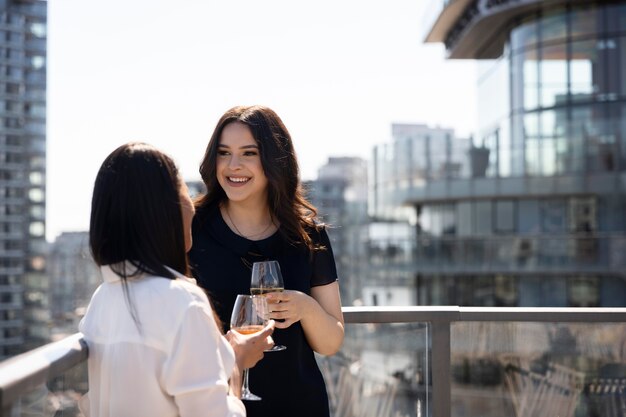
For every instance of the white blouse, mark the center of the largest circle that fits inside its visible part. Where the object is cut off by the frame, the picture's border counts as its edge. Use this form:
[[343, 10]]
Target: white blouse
[[176, 363]]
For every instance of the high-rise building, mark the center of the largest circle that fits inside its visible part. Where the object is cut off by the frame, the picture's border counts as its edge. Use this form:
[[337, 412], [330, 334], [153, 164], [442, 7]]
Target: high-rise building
[[537, 213], [340, 195], [416, 157], [23, 286], [73, 277]]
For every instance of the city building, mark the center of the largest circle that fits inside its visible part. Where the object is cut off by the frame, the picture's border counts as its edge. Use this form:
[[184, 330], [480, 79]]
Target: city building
[[73, 277], [536, 214], [23, 306], [417, 157], [196, 188], [340, 195]]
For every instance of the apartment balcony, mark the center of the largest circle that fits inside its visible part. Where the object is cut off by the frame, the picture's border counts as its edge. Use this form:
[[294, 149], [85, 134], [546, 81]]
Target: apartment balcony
[[412, 361]]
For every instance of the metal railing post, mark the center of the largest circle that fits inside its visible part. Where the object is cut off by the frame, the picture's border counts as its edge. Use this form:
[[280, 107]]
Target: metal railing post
[[441, 368]]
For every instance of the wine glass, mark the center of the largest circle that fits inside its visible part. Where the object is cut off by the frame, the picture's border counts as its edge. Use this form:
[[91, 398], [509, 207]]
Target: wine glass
[[266, 277], [249, 316]]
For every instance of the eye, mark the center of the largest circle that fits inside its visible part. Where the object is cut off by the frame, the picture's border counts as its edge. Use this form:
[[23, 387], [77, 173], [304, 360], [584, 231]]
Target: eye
[[250, 153], [222, 152]]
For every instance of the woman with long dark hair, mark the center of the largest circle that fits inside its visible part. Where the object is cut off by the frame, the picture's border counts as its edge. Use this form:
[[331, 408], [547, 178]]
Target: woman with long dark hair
[[155, 348], [254, 210]]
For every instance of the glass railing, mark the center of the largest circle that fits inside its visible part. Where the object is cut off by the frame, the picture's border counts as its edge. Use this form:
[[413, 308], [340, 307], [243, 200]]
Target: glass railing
[[412, 362]]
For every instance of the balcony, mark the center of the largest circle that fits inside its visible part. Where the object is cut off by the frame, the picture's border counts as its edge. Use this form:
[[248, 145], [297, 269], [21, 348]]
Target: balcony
[[412, 361]]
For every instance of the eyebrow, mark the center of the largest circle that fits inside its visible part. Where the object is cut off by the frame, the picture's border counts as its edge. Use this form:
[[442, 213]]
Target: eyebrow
[[221, 145]]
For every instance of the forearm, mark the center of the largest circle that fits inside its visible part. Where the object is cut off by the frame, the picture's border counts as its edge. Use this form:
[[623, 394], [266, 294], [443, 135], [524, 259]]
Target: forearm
[[323, 331], [234, 382]]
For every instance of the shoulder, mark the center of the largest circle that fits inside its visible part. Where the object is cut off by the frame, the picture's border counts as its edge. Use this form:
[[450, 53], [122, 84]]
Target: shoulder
[[177, 293], [188, 290], [318, 234]]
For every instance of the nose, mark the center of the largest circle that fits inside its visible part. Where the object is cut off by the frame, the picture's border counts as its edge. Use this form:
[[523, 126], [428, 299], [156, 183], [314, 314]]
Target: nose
[[234, 162]]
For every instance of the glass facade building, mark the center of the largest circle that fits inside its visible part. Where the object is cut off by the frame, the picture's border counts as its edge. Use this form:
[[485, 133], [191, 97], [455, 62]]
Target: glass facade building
[[537, 213], [23, 286]]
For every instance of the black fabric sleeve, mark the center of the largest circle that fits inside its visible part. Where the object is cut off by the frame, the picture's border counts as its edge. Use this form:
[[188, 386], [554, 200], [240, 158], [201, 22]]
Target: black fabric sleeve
[[324, 268]]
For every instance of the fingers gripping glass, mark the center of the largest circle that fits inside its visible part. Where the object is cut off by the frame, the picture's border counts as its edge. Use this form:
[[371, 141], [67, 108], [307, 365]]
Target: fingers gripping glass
[[249, 316], [266, 277]]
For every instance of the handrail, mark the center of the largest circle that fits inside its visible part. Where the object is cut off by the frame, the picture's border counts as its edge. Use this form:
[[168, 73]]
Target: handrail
[[23, 373]]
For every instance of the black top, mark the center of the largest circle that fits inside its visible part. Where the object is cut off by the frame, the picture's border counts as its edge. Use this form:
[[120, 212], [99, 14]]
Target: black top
[[289, 381]]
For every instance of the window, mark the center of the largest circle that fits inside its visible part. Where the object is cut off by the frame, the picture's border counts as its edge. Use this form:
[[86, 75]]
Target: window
[[583, 292], [483, 218], [36, 229], [36, 195], [38, 29], [505, 216], [554, 216]]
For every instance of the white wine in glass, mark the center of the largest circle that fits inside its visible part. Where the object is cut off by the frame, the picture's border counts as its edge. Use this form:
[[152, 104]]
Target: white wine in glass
[[249, 316], [266, 278]]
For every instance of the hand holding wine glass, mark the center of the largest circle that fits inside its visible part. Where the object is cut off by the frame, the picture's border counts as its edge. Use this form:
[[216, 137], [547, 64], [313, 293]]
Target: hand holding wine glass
[[250, 315], [266, 278]]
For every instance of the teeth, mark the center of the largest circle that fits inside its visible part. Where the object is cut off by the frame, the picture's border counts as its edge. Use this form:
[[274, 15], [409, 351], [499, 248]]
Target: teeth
[[237, 179]]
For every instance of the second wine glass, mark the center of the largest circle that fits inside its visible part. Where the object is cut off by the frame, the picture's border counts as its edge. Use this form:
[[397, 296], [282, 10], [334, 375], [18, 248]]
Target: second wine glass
[[249, 316], [266, 278]]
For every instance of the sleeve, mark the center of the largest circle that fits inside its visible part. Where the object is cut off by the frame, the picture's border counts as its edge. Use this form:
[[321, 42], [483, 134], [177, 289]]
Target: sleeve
[[197, 370], [324, 268]]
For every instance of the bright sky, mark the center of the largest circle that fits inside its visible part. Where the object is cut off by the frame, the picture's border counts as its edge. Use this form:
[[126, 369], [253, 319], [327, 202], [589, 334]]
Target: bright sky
[[337, 72]]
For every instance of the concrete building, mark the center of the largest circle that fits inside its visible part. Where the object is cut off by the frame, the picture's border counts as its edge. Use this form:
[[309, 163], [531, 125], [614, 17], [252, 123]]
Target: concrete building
[[23, 286]]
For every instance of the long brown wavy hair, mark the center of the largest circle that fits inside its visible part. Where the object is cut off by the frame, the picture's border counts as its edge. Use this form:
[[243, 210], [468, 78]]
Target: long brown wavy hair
[[286, 199]]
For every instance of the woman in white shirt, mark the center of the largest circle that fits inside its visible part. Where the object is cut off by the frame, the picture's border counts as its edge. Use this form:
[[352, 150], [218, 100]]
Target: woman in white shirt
[[155, 348]]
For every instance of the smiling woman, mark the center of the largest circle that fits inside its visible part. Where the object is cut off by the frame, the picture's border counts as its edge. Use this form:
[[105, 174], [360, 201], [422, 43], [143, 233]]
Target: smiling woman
[[254, 210]]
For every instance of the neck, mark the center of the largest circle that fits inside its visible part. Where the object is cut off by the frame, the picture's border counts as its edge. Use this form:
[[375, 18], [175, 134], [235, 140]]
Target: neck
[[251, 222]]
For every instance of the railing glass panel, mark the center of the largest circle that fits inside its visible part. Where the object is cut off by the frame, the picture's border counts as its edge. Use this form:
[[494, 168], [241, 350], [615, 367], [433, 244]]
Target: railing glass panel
[[383, 370], [538, 369]]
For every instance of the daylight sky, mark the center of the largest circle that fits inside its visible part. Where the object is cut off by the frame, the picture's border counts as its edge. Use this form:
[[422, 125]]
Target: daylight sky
[[337, 72]]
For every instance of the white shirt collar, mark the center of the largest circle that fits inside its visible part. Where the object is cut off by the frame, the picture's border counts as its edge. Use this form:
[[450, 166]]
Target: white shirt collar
[[109, 276]]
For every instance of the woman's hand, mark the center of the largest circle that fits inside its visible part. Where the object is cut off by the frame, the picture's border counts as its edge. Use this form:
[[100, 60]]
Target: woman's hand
[[288, 307], [249, 348], [320, 315]]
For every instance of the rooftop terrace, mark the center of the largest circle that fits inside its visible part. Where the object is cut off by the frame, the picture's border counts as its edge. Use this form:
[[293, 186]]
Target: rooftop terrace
[[412, 361]]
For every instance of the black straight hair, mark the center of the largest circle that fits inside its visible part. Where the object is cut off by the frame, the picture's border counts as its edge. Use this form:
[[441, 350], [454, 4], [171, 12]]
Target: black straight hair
[[136, 216]]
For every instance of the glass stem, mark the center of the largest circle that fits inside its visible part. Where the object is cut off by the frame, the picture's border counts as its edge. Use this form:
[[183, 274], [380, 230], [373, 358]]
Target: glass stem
[[244, 388]]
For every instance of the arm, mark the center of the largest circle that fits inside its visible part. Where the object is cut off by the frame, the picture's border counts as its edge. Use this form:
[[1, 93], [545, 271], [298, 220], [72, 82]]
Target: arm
[[198, 367], [320, 315]]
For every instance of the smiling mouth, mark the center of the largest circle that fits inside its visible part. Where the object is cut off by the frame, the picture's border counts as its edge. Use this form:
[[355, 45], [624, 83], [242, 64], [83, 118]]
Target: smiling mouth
[[238, 180]]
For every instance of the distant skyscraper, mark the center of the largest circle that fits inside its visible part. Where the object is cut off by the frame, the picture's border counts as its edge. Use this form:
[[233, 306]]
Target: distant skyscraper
[[196, 188], [340, 195], [23, 286], [73, 277], [417, 156]]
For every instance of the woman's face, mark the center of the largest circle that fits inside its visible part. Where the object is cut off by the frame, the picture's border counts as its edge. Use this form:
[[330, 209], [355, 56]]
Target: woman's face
[[239, 168], [188, 211]]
